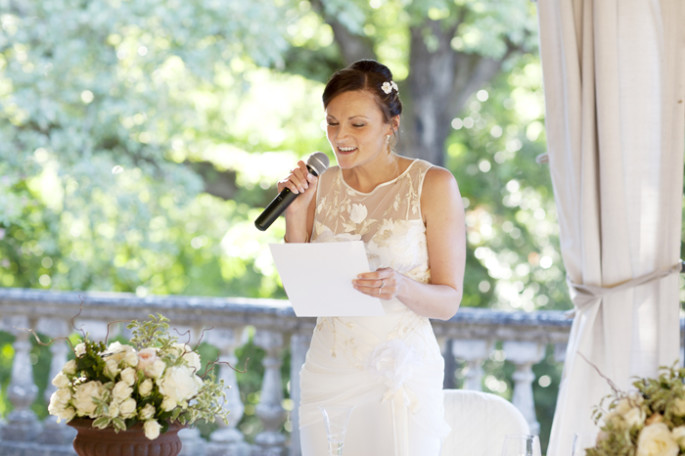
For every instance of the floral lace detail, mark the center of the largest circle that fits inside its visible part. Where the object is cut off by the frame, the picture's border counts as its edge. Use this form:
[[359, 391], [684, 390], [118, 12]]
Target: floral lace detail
[[389, 221]]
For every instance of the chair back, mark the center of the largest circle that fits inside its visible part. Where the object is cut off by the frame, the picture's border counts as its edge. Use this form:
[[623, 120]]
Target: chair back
[[479, 422]]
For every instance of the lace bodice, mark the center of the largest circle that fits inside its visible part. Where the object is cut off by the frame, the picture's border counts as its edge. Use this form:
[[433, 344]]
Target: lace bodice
[[388, 219]]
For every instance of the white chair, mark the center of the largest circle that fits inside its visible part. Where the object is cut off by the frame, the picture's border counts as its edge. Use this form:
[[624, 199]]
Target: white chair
[[479, 422]]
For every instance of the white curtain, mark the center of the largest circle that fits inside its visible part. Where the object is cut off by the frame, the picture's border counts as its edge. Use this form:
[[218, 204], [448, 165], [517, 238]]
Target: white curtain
[[614, 95]]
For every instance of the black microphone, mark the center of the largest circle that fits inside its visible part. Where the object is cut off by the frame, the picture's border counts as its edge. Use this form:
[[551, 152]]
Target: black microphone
[[316, 164]]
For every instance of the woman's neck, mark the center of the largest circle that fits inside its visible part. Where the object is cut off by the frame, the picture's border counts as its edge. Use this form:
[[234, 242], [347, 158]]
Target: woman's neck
[[365, 178]]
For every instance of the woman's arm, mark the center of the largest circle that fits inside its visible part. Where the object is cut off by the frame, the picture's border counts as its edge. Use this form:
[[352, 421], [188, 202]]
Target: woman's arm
[[443, 213], [299, 215]]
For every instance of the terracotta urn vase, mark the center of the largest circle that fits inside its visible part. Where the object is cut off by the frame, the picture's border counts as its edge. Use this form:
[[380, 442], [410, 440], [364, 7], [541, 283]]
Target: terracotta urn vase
[[90, 441]]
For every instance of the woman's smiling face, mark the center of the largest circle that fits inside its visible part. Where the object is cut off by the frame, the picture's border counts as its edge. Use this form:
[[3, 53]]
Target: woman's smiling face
[[356, 129]]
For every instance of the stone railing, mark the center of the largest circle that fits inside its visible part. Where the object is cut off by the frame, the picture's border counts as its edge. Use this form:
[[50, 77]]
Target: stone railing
[[468, 340]]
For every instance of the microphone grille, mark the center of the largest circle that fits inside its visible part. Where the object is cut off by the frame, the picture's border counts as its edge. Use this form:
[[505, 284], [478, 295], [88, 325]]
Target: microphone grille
[[317, 163]]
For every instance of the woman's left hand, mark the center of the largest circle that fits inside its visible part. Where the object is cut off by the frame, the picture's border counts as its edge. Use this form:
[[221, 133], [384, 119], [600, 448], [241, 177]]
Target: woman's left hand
[[382, 283]]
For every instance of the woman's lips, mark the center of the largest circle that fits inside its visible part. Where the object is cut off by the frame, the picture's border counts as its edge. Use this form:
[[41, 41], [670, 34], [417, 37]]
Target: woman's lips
[[346, 150]]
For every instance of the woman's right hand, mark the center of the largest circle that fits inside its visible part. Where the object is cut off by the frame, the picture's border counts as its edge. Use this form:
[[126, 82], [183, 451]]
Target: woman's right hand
[[301, 182]]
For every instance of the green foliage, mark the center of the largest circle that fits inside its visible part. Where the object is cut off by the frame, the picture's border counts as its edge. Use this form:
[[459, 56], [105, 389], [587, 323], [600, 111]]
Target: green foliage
[[513, 257], [98, 124], [118, 117]]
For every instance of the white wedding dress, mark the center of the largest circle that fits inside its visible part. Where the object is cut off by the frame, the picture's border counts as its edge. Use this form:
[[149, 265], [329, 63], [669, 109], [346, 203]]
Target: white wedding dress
[[389, 368]]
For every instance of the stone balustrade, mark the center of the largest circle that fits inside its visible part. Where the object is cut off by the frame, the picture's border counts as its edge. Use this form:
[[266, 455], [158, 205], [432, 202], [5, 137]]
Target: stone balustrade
[[468, 340]]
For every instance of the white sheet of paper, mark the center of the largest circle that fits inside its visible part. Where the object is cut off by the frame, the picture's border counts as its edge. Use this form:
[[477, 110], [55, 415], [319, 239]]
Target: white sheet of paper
[[317, 278]]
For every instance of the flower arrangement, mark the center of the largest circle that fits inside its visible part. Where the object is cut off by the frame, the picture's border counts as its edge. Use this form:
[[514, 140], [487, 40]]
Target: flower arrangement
[[646, 421], [154, 381]]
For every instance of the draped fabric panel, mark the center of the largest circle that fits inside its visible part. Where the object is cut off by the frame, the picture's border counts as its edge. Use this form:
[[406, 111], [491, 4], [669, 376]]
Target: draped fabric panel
[[613, 73]]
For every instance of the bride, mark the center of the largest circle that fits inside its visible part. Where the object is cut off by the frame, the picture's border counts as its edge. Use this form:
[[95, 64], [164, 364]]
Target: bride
[[410, 216]]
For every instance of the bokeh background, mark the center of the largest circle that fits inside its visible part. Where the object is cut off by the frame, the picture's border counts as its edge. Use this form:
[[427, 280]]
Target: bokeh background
[[139, 140]]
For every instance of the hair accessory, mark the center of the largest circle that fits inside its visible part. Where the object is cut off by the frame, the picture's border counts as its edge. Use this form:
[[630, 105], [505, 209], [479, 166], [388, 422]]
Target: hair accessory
[[388, 86]]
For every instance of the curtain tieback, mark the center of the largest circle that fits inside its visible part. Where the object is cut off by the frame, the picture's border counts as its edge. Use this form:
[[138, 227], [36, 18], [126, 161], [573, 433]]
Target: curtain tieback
[[583, 295]]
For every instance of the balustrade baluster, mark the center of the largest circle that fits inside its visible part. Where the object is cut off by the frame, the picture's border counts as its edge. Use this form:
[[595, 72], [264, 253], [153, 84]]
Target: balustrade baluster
[[56, 330], [271, 442], [22, 423], [473, 352], [227, 439], [299, 343], [523, 355]]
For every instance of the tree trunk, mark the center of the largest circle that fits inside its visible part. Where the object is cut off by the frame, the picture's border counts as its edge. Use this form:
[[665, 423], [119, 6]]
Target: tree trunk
[[440, 82]]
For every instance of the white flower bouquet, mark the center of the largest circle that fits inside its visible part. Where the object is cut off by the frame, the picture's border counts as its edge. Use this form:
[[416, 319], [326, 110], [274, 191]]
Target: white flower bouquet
[[154, 381], [646, 421]]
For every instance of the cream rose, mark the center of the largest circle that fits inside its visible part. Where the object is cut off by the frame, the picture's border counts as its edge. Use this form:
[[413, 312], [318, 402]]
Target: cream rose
[[191, 358], [179, 384], [656, 440], [80, 349], [129, 376], [679, 436], [123, 354], [59, 405], [61, 380], [113, 410], [151, 429], [147, 412], [84, 395], [69, 367], [121, 391], [112, 368], [145, 387], [127, 408]]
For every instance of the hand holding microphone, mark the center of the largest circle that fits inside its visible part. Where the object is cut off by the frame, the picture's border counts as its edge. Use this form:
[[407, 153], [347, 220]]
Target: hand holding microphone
[[316, 164]]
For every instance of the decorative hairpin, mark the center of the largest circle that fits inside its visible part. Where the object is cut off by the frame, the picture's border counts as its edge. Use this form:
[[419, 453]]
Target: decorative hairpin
[[387, 87]]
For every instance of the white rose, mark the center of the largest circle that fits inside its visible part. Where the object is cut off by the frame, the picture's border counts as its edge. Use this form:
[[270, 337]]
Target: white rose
[[61, 396], [679, 436], [61, 380], [65, 413], [59, 405], [147, 412], [129, 376], [80, 349], [115, 347], [128, 408], [168, 404], [635, 417], [145, 387], [151, 428], [84, 395], [190, 357], [131, 358], [358, 213], [113, 410], [180, 383], [69, 367], [656, 440], [121, 391], [192, 360], [156, 369], [123, 354], [112, 368]]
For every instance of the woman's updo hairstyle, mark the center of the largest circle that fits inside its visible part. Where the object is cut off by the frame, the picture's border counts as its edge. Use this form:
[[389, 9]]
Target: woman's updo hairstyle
[[366, 75]]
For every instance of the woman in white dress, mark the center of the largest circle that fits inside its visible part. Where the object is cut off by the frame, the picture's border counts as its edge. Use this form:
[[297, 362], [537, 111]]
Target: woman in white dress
[[410, 216]]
